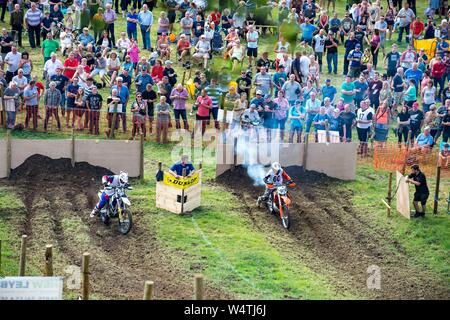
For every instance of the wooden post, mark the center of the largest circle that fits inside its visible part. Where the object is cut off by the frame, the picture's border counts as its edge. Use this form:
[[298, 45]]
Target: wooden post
[[389, 196], [148, 290], [0, 256], [388, 207], [305, 151], [436, 193], [199, 286], [113, 124], [183, 78], [72, 148], [85, 275], [159, 166], [23, 256], [200, 165], [49, 260], [182, 192], [8, 153], [141, 159]]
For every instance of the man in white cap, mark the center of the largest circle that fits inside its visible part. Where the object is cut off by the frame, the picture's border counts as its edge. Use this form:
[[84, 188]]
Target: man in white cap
[[202, 50]]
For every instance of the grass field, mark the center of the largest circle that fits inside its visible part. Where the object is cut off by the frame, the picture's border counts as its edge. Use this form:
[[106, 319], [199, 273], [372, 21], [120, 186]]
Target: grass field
[[221, 241]]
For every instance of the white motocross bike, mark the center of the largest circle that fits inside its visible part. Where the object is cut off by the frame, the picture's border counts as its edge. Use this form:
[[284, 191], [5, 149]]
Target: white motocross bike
[[118, 206]]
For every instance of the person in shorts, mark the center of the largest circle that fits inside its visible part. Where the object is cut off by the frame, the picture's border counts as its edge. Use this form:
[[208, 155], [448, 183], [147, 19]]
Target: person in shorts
[[418, 179]]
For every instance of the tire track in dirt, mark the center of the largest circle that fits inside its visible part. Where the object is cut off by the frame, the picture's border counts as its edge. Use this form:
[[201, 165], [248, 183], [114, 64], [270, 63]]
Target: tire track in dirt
[[58, 200], [332, 238]]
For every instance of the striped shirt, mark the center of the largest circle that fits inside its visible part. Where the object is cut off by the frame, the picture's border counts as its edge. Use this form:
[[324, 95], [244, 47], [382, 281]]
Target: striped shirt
[[214, 92], [52, 98], [33, 18]]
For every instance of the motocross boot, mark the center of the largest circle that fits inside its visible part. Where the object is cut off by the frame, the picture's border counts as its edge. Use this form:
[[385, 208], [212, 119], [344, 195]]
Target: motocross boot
[[94, 212]]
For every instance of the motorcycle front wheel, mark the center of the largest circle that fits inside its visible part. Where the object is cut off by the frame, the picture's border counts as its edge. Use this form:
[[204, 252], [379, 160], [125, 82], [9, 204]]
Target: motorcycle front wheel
[[285, 218], [126, 222]]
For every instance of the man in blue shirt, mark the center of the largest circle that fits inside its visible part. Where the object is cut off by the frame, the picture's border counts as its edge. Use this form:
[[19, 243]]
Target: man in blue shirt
[[414, 73], [361, 87], [177, 168], [307, 32], [85, 38], [142, 80], [145, 21], [425, 139], [132, 21], [349, 45], [329, 91], [355, 57]]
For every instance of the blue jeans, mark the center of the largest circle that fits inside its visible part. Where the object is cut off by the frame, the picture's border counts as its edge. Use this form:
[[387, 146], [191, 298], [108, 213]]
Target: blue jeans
[[110, 29], [145, 37], [400, 33], [309, 121], [10, 119], [332, 58], [132, 34], [439, 81]]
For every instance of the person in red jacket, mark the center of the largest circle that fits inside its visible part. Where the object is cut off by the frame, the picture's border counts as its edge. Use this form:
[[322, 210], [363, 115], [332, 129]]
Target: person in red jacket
[[437, 73], [417, 27], [157, 71]]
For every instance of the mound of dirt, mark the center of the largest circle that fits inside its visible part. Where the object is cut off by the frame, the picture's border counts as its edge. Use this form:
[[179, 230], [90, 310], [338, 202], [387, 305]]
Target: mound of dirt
[[58, 199], [39, 167], [333, 238]]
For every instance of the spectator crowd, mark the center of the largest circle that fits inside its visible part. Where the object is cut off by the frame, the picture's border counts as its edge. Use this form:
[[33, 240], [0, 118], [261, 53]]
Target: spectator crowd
[[91, 72]]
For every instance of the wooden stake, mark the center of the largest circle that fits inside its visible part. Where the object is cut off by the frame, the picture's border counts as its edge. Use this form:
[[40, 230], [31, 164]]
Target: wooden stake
[[141, 159], [200, 165], [49, 260], [436, 193], [113, 124], [387, 206], [148, 290], [0, 256], [199, 286], [159, 166], [23, 255], [8, 153], [85, 275], [182, 192], [305, 151], [72, 148], [389, 196]]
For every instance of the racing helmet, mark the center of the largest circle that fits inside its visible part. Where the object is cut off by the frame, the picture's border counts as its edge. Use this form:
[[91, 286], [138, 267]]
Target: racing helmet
[[123, 178], [276, 167]]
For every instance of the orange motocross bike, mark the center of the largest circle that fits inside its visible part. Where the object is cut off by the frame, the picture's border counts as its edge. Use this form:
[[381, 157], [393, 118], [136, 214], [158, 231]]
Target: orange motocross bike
[[279, 202]]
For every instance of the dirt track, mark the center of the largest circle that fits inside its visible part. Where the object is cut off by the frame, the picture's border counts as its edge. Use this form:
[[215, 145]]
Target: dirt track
[[58, 200], [332, 238]]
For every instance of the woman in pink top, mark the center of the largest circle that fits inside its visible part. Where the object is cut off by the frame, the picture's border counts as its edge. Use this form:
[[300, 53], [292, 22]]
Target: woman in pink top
[[133, 52], [203, 104], [281, 112]]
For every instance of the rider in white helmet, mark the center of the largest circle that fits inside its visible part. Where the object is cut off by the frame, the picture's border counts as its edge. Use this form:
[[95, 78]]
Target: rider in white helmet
[[275, 177], [110, 181]]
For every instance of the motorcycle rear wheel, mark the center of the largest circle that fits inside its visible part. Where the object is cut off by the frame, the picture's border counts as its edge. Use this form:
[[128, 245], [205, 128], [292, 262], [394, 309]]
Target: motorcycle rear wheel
[[127, 222], [285, 218]]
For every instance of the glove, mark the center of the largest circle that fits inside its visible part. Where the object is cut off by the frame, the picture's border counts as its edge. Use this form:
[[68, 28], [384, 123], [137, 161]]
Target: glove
[[291, 184]]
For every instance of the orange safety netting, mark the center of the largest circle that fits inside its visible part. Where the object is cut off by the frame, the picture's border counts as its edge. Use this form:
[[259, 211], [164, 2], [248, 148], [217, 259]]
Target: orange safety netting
[[391, 157]]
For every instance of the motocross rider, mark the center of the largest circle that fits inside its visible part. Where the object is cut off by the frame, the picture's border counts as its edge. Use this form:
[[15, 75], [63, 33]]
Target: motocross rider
[[109, 181], [273, 179]]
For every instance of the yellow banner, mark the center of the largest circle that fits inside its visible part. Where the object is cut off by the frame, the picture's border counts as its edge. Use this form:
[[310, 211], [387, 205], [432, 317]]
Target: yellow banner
[[181, 183]]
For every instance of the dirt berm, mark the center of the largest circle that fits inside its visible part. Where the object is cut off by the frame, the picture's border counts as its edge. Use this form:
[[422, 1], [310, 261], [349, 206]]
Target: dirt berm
[[58, 200], [333, 238]]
